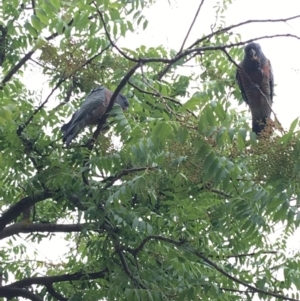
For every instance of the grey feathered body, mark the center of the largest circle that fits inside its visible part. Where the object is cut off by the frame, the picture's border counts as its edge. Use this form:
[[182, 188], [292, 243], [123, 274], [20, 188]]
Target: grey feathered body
[[93, 108]]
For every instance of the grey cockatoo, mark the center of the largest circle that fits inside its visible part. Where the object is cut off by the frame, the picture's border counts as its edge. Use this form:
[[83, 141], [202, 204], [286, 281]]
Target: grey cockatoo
[[256, 82], [93, 108]]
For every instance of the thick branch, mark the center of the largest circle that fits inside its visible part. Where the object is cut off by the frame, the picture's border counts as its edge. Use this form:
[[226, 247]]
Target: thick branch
[[16, 67], [43, 227], [55, 294], [18, 292], [59, 278], [15, 210]]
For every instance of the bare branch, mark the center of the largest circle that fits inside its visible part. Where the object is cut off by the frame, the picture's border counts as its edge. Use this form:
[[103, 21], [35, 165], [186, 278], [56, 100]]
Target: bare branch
[[22, 127], [18, 292], [55, 294], [110, 39], [251, 254], [33, 6], [226, 29], [200, 50], [44, 227], [154, 94], [189, 31], [46, 280]]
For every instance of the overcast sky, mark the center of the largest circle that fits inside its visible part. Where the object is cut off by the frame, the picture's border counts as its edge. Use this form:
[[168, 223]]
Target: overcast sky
[[168, 26]]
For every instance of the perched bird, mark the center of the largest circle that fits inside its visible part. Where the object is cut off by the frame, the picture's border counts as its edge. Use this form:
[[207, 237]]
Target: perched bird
[[93, 108], [256, 82]]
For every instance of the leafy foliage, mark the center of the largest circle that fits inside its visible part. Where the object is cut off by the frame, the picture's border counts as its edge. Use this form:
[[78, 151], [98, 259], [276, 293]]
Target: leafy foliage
[[180, 208]]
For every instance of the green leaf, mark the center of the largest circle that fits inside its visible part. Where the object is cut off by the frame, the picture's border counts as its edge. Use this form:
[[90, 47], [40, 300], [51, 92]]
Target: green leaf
[[55, 3]]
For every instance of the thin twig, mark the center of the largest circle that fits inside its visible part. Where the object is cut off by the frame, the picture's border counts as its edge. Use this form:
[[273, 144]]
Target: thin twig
[[251, 287], [226, 29], [33, 6], [137, 284], [125, 172], [139, 248], [28, 55], [22, 127], [193, 22], [110, 39]]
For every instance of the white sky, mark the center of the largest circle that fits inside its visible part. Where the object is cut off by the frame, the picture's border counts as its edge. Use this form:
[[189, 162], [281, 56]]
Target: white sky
[[168, 26]]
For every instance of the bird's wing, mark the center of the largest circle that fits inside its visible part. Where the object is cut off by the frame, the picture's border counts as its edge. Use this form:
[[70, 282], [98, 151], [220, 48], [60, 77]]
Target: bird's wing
[[271, 81], [65, 127], [240, 83], [92, 101]]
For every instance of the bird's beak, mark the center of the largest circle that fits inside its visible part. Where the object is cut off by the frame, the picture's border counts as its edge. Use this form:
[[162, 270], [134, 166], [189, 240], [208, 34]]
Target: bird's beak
[[253, 54]]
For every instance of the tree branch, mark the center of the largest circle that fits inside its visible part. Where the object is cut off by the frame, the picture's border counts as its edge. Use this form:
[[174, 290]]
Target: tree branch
[[251, 287], [139, 248], [55, 294], [250, 254], [15, 210], [33, 6], [28, 55], [46, 280], [137, 284], [22, 127], [225, 29], [154, 94], [16, 67], [102, 120], [110, 39], [125, 172], [194, 20], [44, 227], [18, 292]]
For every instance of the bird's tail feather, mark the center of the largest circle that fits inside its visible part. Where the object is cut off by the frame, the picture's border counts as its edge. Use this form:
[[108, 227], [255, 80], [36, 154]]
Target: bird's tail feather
[[73, 131], [70, 134]]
